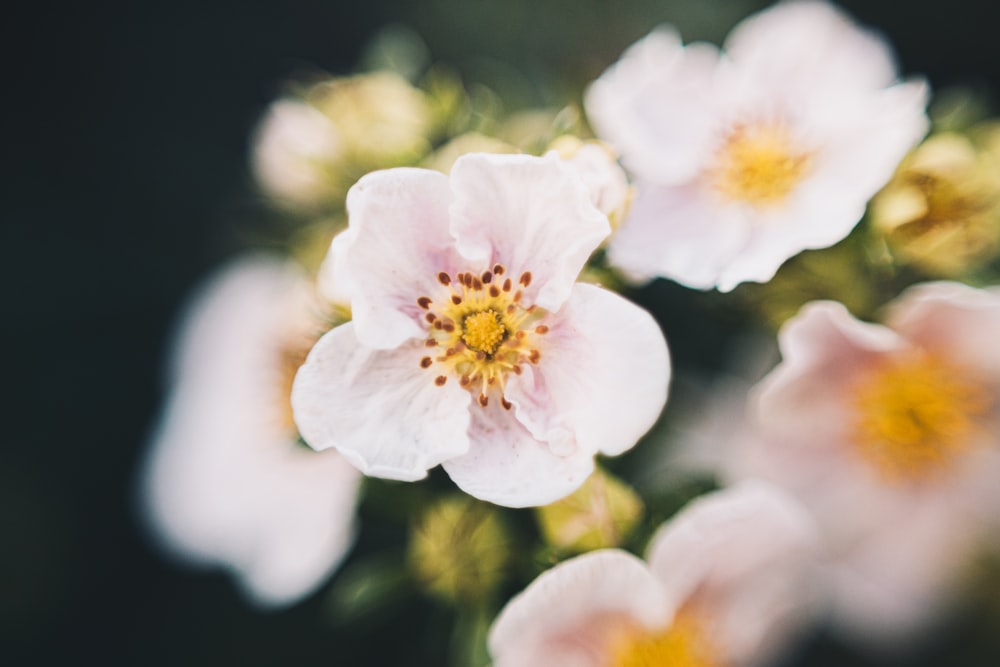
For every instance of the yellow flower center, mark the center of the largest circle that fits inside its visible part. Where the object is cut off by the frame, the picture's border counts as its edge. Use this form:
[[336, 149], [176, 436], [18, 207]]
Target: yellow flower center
[[914, 415], [759, 164], [481, 331], [484, 331], [682, 644]]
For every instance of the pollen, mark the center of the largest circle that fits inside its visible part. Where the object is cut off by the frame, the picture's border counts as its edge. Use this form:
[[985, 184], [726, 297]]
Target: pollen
[[915, 415], [759, 164], [483, 331], [682, 644]]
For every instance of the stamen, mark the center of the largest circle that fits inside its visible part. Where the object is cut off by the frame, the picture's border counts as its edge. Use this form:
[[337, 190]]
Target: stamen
[[440, 380], [505, 403], [541, 329], [444, 279], [426, 362], [534, 356], [494, 291], [498, 269], [430, 317], [487, 277], [430, 342], [424, 302], [507, 285], [525, 278], [483, 400], [456, 299]]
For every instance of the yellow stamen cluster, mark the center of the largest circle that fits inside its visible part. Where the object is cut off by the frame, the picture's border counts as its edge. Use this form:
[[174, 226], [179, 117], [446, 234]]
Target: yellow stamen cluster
[[915, 414], [682, 644], [481, 330], [759, 164]]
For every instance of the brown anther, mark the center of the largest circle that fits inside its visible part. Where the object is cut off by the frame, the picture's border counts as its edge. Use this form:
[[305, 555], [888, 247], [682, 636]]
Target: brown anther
[[451, 352], [507, 284], [494, 291], [430, 342], [517, 369], [492, 380], [511, 308], [483, 400], [519, 335], [440, 380], [426, 362], [477, 284], [438, 325], [464, 380], [487, 277], [525, 278], [541, 329], [534, 356], [456, 299], [444, 279], [498, 269], [505, 403], [430, 317], [480, 356], [424, 302], [448, 326], [517, 296], [467, 279]]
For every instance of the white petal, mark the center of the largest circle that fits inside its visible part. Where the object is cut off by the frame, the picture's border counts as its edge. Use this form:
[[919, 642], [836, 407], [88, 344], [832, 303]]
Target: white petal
[[379, 408], [810, 45], [575, 604], [507, 466], [603, 375], [226, 481], [529, 214], [678, 233], [747, 554], [656, 107], [396, 244]]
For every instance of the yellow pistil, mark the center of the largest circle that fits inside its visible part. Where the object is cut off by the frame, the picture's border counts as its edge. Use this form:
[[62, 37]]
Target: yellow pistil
[[682, 644], [914, 415], [759, 164], [479, 331], [484, 331]]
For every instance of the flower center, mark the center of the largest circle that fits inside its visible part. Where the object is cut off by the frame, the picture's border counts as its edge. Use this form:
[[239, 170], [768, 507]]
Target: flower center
[[915, 414], [682, 644], [759, 164], [481, 330]]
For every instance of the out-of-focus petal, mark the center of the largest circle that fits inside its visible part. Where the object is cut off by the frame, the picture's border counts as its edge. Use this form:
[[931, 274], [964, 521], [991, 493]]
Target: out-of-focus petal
[[379, 408]]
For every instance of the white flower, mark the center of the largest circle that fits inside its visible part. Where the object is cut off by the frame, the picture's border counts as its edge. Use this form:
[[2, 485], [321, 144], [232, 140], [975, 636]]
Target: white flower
[[227, 482], [888, 434], [471, 344], [598, 166], [727, 581], [745, 158]]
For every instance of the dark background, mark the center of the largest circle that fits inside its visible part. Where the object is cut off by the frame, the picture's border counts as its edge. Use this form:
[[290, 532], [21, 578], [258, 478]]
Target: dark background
[[125, 181]]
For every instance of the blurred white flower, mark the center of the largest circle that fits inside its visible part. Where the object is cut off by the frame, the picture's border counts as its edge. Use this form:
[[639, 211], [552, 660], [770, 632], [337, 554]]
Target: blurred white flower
[[744, 158], [227, 482], [598, 166], [471, 344], [728, 582], [888, 434]]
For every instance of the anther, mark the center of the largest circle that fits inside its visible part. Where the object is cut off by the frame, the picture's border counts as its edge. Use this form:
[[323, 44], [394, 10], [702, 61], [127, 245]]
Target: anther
[[424, 302], [505, 403], [483, 400], [534, 356], [494, 291], [430, 342], [487, 277], [525, 278], [440, 380], [456, 299], [476, 283], [517, 296], [430, 317], [438, 325], [448, 326], [517, 369], [541, 329], [426, 362], [507, 284], [464, 380], [498, 269], [444, 279]]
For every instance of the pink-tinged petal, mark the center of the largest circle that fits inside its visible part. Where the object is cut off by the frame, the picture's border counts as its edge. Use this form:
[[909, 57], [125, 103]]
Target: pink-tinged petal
[[745, 558], [529, 214], [823, 347], [656, 107], [226, 482], [396, 244], [810, 45], [569, 611], [961, 321], [677, 232], [602, 378], [379, 408], [507, 466]]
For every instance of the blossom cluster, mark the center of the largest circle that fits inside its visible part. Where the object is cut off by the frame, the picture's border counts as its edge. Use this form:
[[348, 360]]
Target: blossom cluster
[[470, 294]]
